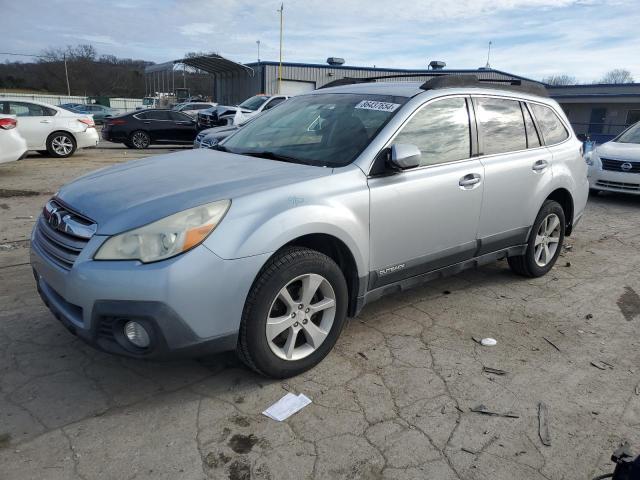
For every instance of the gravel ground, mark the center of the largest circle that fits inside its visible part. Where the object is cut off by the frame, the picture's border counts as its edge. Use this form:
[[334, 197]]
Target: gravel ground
[[394, 399]]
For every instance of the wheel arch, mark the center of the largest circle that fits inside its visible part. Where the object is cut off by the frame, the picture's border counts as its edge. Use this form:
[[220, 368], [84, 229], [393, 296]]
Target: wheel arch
[[565, 199], [338, 251], [61, 131]]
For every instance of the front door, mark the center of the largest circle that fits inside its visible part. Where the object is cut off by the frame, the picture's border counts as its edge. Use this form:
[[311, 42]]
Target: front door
[[426, 218]]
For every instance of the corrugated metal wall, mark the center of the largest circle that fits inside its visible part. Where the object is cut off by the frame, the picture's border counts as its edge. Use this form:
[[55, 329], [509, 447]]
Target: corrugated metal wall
[[233, 88]]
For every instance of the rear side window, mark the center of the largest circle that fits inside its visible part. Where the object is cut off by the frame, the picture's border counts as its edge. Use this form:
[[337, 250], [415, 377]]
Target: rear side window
[[24, 109], [440, 130], [533, 140], [157, 115], [180, 117], [501, 124], [553, 131]]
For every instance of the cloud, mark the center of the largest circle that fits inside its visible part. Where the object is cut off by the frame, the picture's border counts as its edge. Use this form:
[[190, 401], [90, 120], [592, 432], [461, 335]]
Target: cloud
[[534, 38]]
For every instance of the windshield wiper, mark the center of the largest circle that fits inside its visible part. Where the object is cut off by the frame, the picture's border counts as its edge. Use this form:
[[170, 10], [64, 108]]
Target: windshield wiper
[[274, 156]]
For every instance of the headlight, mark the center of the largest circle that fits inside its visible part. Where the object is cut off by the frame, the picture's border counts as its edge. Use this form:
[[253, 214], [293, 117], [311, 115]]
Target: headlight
[[167, 237]]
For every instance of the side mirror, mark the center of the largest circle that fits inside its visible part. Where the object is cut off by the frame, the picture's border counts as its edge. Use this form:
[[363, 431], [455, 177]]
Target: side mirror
[[405, 155]]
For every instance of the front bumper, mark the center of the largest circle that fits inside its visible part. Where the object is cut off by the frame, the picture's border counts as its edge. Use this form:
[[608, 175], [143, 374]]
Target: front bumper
[[191, 304], [613, 181]]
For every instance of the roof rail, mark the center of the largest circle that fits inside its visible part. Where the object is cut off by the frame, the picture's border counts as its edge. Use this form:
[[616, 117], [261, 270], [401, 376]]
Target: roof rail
[[465, 81], [439, 80]]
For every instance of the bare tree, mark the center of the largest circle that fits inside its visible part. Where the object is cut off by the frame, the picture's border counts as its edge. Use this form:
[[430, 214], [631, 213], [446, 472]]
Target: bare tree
[[559, 80], [618, 75]]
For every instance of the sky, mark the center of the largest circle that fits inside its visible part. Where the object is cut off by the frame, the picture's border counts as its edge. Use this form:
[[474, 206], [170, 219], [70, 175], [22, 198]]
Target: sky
[[533, 38]]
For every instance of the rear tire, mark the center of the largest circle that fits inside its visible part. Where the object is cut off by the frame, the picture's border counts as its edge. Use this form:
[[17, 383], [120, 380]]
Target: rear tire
[[61, 145], [293, 314], [545, 242], [140, 140]]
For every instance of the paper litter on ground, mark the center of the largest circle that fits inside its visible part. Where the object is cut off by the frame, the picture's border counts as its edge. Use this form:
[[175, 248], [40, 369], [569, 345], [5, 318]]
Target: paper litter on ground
[[287, 406]]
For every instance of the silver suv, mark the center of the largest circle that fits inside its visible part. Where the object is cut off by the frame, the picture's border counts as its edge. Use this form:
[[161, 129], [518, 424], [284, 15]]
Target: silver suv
[[297, 220]]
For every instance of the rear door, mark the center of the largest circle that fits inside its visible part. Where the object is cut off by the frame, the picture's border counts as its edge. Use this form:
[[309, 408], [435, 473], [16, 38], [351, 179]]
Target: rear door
[[426, 218], [159, 124], [517, 171], [35, 122]]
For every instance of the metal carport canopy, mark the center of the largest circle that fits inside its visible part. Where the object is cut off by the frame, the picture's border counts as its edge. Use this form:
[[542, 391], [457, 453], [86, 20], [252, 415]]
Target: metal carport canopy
[[216, 64]]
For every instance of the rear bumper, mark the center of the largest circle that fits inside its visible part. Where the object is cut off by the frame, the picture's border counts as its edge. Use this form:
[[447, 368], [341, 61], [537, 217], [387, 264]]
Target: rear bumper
[[88, 138], [612, 181]]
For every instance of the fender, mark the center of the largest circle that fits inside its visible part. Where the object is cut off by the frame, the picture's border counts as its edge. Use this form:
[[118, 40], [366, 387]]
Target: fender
[[336, 205]]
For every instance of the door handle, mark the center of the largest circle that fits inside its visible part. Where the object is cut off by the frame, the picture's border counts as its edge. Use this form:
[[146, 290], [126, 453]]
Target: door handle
[[469, 181], [540, 165], [147, 122], [45, 121]]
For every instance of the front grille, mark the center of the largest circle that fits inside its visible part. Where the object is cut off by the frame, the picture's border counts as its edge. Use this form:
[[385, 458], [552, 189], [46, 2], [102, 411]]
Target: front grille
[[630, 187], [616, 165], [61, 234]]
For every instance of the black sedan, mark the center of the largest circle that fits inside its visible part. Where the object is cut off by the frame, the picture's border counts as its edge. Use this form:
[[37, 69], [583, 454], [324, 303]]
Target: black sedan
[[147, 127]]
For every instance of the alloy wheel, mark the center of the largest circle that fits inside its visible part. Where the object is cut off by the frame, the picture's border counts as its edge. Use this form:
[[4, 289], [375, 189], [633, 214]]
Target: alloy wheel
[[62, 145], [140, 140], [547, 240], [301, 317]]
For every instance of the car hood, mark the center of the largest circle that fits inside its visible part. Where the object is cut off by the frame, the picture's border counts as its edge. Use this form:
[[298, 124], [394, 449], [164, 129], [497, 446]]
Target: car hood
[[620, 151], [136, 193]]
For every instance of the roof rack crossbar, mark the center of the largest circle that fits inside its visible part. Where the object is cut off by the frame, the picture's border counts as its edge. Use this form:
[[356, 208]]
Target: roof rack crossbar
[[439, 80]]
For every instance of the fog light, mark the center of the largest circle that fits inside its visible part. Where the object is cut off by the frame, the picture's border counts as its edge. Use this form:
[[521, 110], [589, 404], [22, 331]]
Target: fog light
[[137, 334]]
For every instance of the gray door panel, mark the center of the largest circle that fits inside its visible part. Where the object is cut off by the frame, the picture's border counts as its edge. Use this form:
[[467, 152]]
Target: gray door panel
[[423, 219]]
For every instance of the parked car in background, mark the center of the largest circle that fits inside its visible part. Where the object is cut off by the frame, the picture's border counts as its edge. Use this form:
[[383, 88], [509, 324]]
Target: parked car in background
[[50, 129], [192, 109], [99, 112], [210, 137], [225, 115], [615, 165], [148, 127], [12, 145], [267, 243]]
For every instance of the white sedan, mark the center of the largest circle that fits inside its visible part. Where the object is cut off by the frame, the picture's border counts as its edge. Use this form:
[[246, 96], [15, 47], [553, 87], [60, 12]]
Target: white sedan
[[615, 166], [50, 129], [12, 145]]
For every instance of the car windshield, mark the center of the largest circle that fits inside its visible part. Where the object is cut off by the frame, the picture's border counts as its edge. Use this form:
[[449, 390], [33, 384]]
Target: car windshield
[[329, 129], [632, 135], [147, 101], [254, 103]]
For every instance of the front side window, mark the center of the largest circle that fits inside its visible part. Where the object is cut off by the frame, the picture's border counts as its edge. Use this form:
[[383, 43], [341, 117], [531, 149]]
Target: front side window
[[327, 129], [440, 130], [631, 135], [502, 126], [553, 131], [254, 103], [180, 117]]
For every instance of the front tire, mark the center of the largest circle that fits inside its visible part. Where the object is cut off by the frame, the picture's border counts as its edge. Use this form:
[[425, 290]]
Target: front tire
[[294, 313], [545, 242], [61, 145]]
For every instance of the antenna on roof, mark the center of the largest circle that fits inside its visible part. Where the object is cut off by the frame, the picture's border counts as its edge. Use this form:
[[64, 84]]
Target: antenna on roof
[[488, 65]]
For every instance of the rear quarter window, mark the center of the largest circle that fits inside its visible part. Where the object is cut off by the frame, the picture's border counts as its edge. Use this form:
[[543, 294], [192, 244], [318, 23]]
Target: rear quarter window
[[553, 130]]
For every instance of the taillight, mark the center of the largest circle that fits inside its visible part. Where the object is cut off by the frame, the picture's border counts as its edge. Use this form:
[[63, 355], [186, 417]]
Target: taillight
[[87, 121], [117, 121], [8, 123]]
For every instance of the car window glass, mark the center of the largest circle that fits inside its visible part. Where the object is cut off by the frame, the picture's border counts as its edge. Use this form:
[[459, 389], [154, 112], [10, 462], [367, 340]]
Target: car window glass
[[501, 124], [533, 140], [180, 117], [553, 131], [273, 103], [23, 109], [440, 130], [158, 115], [631, 135]]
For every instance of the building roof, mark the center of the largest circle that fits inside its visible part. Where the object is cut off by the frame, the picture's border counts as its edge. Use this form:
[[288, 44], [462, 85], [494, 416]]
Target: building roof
[[207, 63]]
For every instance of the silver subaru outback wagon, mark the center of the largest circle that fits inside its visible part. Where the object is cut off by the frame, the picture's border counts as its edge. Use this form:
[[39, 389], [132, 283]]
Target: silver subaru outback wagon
[[296, 221]]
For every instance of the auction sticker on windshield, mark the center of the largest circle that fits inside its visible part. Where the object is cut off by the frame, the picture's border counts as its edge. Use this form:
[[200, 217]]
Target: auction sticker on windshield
[[380, 106]]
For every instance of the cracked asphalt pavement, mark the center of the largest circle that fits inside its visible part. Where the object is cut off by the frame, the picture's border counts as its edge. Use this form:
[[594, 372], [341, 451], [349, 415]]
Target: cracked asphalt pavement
[[392, 401]]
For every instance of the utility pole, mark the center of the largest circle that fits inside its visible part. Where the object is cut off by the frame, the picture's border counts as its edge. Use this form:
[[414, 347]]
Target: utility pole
[[66, 73], [258, 43], [488, 65], [280, 65]]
